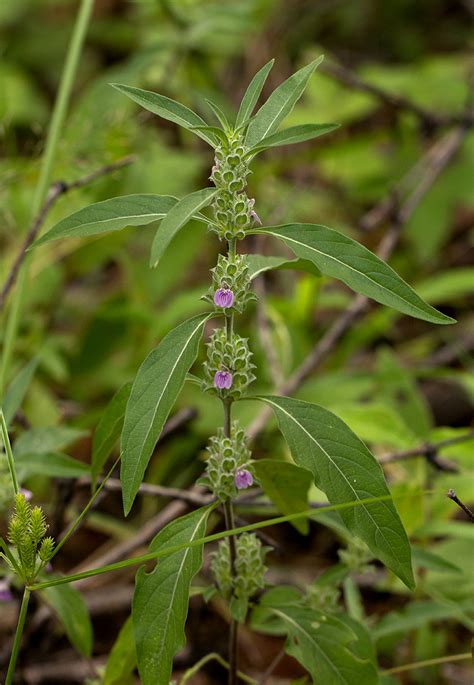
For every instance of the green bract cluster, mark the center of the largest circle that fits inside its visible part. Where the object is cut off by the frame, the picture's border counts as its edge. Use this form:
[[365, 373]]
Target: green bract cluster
[[249, 571], [228, 354], [226, 456], [26, 531], [233, 210], [232, 272]]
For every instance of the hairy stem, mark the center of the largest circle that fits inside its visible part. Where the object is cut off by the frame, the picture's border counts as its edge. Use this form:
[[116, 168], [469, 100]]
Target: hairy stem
[[57, 120], [18, 636], [230, 525]]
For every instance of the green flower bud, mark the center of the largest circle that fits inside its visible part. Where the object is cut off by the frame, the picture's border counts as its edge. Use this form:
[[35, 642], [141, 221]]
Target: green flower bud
[[227, 456], [231, 273], [229, 361], [250, 567]]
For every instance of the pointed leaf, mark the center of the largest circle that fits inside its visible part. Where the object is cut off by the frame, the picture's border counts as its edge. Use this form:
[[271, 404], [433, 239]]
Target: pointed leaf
[[160, 602], [341, 257], [286, 485], [166, 108], [258, 264], [219, 114], [326, 646], [72, 611], [155, 389], [252, 94], [345, 470], [17, 390], [111, 215], [217, 133], [122, 660], [279, 104], [108, 430], [52, 464], [176, 218], [46, 439], [292, 135]]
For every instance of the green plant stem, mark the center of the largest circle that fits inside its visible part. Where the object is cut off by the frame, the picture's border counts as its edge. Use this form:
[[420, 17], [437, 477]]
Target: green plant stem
[[83, 513], [18, 636], [213, 656], [57, 121], [8, 452], [229, 524], [151, 556], [428, 662]]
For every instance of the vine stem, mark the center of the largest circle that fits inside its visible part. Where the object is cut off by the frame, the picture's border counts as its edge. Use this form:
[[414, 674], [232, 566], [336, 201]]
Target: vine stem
[[18, 636], [57, 121], [8, 451]]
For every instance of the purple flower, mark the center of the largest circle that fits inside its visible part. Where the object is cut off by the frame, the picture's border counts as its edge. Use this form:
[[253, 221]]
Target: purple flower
[[224, 297], [223, 380], [5, 594], [243, 479], [27, 494]]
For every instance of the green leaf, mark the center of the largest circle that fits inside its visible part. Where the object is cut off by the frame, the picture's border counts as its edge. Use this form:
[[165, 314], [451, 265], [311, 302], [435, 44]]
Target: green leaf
[[155, 389], [166, 108], [413, 616], [432, 561], [108, 430], [215, 132], [46, 439], [110, 215], [292, 135], [286, 485], [325, 646], [52, 464], [341, 257], [72, 611], [176, 218], [160, 602], [345, 470], [258, 264], [17, 389], [279, 104], [220, 116], [252, 94], [123, 658]]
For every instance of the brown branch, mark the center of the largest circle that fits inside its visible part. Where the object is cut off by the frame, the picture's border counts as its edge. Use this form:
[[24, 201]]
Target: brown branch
[[452, 495], [430, 452], [429, 119], [439, 156], [55, 192]]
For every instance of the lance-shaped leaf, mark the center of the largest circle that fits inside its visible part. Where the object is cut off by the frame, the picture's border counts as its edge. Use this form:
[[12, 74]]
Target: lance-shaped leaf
[[177, 217], [166, 108], [279, 104], [160, 602], [341, 257], [252, 94], [345, 470], [108, 430], [292, 135], [331, 650], [111, 215], [258, 264], [72, 611], [154, 392], [286, 485], [17, 390]]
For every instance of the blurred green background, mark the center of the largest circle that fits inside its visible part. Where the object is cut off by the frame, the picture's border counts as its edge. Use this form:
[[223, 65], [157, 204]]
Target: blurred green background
[[94, 309]]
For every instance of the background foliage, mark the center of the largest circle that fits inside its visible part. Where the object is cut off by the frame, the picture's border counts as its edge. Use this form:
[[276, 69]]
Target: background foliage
[[96, 310]]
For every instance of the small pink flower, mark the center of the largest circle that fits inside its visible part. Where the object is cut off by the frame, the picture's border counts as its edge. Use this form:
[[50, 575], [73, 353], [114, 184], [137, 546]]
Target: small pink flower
[[223, 380], [255, 217], [27, 494], [243, 479], [224, 297]]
